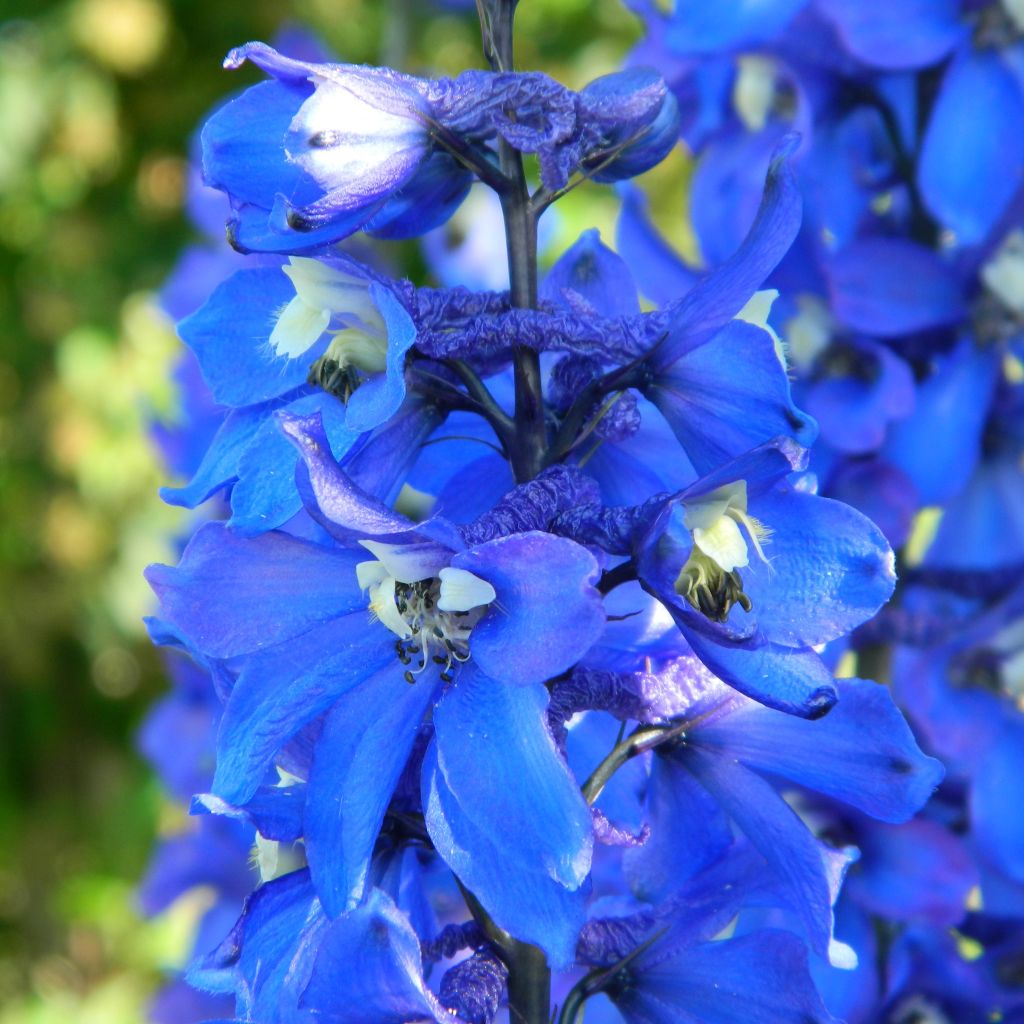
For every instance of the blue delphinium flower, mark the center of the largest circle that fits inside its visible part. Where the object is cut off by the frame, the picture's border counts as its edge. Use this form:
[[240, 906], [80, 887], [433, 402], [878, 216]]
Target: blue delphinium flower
[[475, 535]]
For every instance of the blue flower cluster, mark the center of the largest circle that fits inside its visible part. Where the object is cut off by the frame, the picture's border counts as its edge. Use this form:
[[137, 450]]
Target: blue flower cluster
[[524, 625]]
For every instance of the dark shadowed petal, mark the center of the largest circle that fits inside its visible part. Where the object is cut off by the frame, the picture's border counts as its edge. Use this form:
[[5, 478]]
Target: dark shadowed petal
[[915, 871], [547, 614], [689, 832], [889, 286], [862, 752], [590, 270], [369, 968], [760, 978], [357, 761]]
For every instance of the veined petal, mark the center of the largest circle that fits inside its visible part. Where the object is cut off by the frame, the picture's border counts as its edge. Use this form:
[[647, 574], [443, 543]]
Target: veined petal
[[727, 395], [828, 569], [369, 968], [357, 762], [285, 688], [232, 336], [527, 901], [547, 614], [501, 765], [231, 595], [778, 834], [761, 978], [719, 296]]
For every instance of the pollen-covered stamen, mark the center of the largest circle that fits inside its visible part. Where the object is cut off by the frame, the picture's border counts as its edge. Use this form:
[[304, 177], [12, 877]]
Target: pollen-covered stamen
[[432, 617], [721, 530]]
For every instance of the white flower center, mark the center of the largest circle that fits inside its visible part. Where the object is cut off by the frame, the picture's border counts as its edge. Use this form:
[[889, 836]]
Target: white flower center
[[431, 607], [1003, 275], [324, 294], [722, 530]]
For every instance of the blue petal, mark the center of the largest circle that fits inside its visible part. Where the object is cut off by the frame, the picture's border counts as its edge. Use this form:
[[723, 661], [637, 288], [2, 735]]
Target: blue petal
[[274, 811], [828, 569], [972, 157], [254, 958], [762, 978], [379, 397], [231, 595], [938, 447], [791, 680], [476, 487], [854, 410], [861, 753], [243, 145], [996, 798], [689, 832], [854, 994], [896, 33], [915, 871], [500, 764], [357, 761], [285, 688], [265, 496], [889, 286], [983, 526], [697, 27], [220, 463], [369, 968], [662, 274], [527, 902], [425, 203], [728, 395], [779, 835], [725, 191], [589, 270], [347, 509], [547, 614], [230, 333], [718, 297], [256, 229]]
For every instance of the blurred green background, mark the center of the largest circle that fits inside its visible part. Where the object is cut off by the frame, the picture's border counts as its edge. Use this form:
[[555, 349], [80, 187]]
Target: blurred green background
[[98, 100]]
